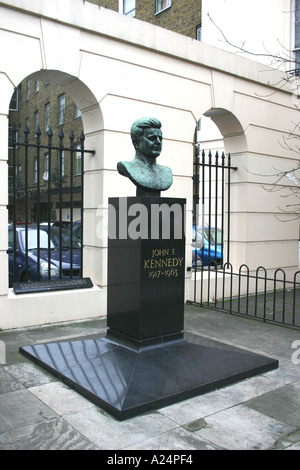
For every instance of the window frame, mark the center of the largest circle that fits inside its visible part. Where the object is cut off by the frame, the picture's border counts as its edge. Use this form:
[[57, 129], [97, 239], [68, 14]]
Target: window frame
[[36, 122], [78, 161], [61, 109], [77, 112], [130, 13], [47, 117], [199, 32], [46, 167], [35, 170], [27, 90], [296, 49], [14, 102], [162, 8], [61, 158]]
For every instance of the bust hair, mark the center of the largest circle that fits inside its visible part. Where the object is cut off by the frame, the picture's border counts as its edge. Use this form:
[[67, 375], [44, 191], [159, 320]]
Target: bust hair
[[138, 127]]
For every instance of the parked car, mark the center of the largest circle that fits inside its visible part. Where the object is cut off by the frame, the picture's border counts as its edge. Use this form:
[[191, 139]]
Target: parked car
[[77, 230], [54, 265], [207, 246], [65, 225]]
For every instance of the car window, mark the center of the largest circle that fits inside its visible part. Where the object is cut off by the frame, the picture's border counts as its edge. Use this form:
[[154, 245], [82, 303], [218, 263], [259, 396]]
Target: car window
[[78, 233], [66, 240], [11, 238], [213, 234], [33, 239]]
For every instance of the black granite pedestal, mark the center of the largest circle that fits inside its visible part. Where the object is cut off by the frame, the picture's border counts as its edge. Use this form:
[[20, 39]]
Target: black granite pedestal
[[146, 270], [145, 361]]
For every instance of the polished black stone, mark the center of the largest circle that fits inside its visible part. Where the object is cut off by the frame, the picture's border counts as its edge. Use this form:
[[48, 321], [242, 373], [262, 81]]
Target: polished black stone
[[53, 285], [145, 292], [126, 382]]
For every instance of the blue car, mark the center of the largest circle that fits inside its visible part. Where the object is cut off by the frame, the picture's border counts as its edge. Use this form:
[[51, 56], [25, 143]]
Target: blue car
[[44, 262], [207, 247]]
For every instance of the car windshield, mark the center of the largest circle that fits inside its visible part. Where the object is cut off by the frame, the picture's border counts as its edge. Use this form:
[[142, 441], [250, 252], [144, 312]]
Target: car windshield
[[215, 236], [212, 235], [43, 242], [66, 240]]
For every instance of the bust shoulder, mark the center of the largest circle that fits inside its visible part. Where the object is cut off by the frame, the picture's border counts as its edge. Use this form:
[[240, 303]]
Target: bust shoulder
[[158, 177]]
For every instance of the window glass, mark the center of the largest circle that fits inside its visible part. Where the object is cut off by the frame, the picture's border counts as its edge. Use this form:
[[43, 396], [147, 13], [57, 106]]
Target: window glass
[[27, 89], [14, 102], [47, 117], [198, 33], [35, 170], [36, 121], [129, 7], [78, 162], [46, 168], [297, 24], [61, 109], [77, 112], [61, 158], [162, 4], [297, 59], [33, 239], [297, 34]]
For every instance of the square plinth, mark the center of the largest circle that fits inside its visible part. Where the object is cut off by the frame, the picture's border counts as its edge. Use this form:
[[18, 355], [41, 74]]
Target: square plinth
[[126, 382], [146, 268]]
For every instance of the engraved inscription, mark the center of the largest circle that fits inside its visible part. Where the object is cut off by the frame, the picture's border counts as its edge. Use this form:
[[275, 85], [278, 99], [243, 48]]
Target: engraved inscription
[[163, 263]]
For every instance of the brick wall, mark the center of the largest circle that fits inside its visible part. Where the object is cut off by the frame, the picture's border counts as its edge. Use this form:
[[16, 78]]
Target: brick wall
[[110, 4], [28, 107], [183, 16]]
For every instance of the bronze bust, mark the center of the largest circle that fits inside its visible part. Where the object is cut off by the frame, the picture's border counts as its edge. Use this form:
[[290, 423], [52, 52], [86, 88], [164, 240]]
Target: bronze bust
[[149, 177]]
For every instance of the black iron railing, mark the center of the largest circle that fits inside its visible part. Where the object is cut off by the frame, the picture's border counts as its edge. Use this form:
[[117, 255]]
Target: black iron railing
[[211, 213], [212, 177], [258, 294], [30, 195]]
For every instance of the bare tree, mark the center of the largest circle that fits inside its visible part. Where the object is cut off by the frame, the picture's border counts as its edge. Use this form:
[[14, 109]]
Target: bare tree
[[287, 182]]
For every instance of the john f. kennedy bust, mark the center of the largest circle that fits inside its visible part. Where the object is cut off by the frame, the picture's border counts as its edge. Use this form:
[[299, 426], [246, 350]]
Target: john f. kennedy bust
[[149, 177]]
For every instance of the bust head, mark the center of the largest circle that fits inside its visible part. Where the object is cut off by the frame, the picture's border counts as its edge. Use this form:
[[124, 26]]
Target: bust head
[[146, 137], [143, 171]]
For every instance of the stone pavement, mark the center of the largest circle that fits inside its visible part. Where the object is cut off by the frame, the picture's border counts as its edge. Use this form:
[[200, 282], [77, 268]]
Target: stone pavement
[[38, 412]]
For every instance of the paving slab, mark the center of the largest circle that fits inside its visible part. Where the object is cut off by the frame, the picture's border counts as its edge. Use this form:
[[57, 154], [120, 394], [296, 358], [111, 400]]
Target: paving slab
[[290, 442], [60, 398], [108, 433], [21, 408], [241, 428], [282, 404], [38, 412], [27, 375], [55, 434], [178, 439], [8, 383], [211, 403]]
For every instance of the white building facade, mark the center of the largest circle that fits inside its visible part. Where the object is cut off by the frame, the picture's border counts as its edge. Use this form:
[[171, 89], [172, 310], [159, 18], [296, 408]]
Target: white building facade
[[117, 69]]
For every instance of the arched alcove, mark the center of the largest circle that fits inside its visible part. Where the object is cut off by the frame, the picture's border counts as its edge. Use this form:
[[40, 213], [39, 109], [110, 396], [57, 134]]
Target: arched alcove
[[79, 93], [219, 136], [67, 203], [230, 128]]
